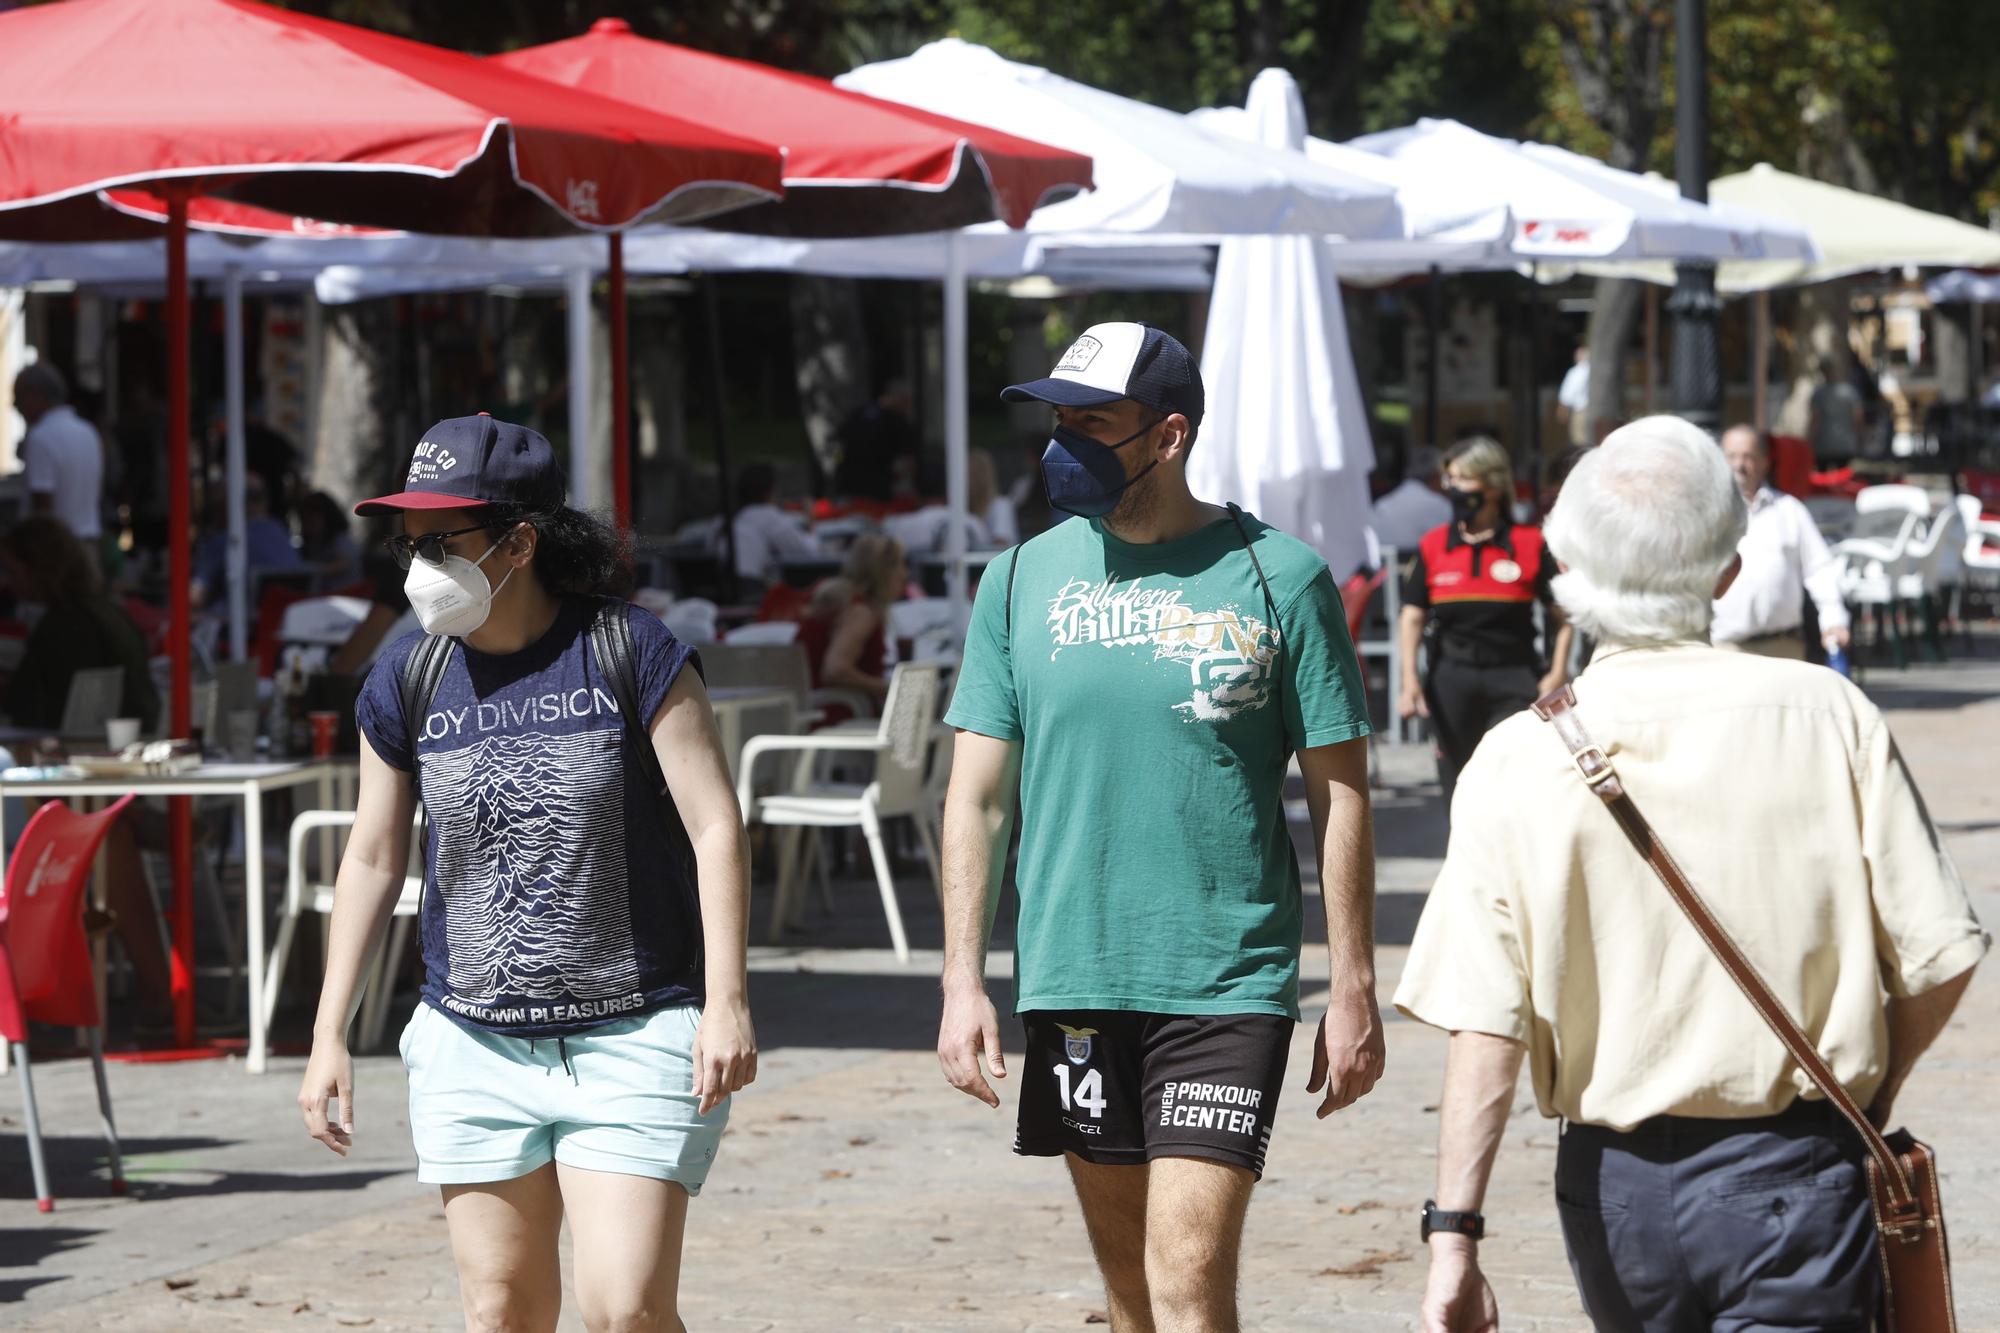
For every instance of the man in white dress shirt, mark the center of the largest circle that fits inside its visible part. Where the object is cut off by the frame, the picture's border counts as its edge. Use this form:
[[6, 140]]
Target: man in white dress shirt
[[1573, 399], [766, 536], [1415, 506], [62, 454], [1784, 558]]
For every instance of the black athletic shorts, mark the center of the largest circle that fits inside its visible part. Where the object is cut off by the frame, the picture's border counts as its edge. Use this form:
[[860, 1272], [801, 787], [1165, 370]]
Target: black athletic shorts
[[1122, 1088]]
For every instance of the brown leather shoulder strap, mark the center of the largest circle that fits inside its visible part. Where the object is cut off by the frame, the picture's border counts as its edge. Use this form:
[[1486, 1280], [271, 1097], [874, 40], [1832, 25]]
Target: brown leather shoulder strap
[[1558, 708]]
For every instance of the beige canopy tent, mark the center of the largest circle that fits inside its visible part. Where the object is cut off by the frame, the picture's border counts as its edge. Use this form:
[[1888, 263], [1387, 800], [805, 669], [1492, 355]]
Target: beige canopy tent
[[1855, 233]]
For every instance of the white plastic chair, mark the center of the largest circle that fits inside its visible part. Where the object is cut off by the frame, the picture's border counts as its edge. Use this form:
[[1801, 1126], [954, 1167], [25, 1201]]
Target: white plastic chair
[[1924, 571], [94, 695], [300, 898], [1910, 499], [762, 633], [1873, 563], [901, 744], [1980, 560]]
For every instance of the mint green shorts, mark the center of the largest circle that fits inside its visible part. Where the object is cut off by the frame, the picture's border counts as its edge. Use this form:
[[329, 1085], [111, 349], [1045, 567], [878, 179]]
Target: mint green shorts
[[485, 1106]]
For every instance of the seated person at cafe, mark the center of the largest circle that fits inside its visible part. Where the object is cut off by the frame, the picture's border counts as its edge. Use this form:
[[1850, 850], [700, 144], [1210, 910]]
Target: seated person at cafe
[[267, 544], [845, 625], [765, 535], [81, 627], [326, 545]]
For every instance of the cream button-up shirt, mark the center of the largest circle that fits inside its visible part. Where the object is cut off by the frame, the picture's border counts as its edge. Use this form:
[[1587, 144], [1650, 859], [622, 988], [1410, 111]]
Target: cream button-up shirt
[[1778, 789]]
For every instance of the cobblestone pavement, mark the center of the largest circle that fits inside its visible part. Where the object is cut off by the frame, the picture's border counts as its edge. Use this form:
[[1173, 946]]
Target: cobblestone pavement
[[856, 1191]]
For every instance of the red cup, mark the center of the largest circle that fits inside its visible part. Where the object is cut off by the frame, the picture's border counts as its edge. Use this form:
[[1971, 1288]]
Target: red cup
[[325, 731]]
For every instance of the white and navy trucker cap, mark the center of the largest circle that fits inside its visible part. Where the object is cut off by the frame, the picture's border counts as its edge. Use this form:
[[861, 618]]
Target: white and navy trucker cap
[[1113, 361]]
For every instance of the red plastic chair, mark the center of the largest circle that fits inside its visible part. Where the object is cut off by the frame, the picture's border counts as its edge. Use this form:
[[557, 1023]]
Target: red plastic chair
[[1354, 598], [45, 974]]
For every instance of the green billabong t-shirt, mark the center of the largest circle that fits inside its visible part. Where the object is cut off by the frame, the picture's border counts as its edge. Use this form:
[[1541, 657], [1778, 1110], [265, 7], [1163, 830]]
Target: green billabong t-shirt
[[1156, 705]]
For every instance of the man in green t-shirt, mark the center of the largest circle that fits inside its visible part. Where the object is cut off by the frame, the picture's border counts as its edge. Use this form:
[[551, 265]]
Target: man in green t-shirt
[[1148, 668]]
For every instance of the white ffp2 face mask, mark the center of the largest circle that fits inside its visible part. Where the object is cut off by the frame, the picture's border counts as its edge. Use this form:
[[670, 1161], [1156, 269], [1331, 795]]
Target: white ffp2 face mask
[[454, 598]]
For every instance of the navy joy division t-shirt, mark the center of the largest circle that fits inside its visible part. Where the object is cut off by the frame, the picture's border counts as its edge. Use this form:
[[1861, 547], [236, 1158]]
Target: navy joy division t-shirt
[[560, 889]]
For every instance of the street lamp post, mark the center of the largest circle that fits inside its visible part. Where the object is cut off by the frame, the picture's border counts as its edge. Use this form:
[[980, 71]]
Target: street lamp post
[[1694, 308]]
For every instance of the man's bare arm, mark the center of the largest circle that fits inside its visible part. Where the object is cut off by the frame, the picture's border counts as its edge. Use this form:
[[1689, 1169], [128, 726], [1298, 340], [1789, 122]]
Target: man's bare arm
[[1349, 1054], [978, 815], [1914, 1023]]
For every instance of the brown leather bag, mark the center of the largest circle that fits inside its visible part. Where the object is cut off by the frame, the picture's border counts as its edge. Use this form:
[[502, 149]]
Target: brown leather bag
[[1902, 1173]]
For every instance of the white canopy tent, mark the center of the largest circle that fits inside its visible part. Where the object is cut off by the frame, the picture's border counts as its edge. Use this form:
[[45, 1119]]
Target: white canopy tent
[[237, 262], [1852, 233], [1156, 173], [1286, 433], [1564, 208]]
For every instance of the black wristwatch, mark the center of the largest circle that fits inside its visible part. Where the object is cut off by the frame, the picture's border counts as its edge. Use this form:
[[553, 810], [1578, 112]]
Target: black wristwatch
[[1472, 1225]]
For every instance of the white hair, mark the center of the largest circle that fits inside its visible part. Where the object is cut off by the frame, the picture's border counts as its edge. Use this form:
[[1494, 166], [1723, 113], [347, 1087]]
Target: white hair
[[1647, 522]]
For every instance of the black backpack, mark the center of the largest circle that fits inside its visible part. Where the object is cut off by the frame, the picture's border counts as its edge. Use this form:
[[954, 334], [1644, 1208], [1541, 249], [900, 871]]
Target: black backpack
[[610, 641]]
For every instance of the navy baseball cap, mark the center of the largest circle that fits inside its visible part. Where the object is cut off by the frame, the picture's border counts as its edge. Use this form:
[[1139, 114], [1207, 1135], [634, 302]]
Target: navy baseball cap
[[466, 462], [1113, 361]]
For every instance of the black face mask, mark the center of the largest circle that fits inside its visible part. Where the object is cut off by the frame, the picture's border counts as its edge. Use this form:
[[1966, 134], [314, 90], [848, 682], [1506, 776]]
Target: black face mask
[[1465, 505]]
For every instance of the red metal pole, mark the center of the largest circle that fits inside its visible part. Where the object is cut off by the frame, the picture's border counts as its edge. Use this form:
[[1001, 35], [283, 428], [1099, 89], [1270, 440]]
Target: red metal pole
[[180, 572], [621, 390]]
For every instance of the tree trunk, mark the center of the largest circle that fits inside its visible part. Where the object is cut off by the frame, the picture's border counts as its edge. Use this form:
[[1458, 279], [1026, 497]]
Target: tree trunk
[[1613, 313], [659, 406], [830, 344], [352, 452], [1820, 351]]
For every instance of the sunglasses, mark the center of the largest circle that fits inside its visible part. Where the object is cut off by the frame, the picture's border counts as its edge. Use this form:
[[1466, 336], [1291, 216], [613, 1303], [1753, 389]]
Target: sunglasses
[[428, 548]]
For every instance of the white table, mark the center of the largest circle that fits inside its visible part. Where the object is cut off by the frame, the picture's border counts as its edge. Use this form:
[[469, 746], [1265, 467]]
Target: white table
[[732, 703], [248, 783]]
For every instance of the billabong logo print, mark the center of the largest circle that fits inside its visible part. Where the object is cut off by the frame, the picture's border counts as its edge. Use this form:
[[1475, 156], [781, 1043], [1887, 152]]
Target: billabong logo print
[[1077, 1043], [1080, 354], [1229, 655], [583, 200]]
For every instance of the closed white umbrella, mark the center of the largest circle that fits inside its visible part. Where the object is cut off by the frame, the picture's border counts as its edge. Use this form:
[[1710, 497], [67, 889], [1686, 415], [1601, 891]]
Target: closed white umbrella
[[1285, 435]]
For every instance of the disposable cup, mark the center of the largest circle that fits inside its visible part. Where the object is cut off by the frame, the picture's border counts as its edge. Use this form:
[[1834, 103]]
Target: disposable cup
[[325, 731], [120, 732]]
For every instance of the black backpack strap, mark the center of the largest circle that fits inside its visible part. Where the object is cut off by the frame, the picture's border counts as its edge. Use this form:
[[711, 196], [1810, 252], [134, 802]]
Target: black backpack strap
[[611, 640], [422, 671], [1012, 565], [1270, 606]]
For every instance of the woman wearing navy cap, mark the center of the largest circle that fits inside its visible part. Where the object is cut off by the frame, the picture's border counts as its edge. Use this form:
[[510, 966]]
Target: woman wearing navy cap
[[584, 1019], [1473, 587]]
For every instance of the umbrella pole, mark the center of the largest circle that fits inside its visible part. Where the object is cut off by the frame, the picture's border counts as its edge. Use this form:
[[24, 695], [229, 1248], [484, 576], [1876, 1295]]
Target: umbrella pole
[[957, 429], [234, 464], [1760, 364], [719, 406], [1433, 316], [621, 389], [180, 613], [582, 492]]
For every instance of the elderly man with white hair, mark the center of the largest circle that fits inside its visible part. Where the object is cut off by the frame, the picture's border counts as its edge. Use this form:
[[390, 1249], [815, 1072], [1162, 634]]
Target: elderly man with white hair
[[1702, 1182]]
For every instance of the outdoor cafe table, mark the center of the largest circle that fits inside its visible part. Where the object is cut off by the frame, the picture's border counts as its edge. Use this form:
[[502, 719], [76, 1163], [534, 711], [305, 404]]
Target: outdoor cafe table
[[731, 703], [249, 783]]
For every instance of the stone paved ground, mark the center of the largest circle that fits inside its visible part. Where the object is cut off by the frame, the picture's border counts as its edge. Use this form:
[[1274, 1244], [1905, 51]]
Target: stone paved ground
[[857, 1191]]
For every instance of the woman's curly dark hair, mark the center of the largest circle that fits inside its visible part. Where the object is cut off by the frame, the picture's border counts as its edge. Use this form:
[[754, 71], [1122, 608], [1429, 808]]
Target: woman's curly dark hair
[[577, 554]]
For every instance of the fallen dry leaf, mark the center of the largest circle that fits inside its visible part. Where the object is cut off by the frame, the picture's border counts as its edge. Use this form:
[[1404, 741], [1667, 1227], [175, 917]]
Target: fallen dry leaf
[[835, 1175], [1097, 1317], [861, 1140], [180, 1283], [1368, 1265], [1364, 1206]]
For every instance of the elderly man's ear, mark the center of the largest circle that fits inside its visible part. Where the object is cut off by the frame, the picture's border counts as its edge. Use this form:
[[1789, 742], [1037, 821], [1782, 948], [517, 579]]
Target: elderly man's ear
[[1728, 576]]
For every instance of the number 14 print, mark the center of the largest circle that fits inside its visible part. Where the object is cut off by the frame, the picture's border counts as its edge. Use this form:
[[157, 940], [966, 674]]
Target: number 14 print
[[1089, 1094]]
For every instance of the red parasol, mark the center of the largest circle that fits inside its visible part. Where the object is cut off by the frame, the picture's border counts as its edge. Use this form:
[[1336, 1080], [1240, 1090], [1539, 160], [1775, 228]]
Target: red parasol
[[854, 165], [320, 119]]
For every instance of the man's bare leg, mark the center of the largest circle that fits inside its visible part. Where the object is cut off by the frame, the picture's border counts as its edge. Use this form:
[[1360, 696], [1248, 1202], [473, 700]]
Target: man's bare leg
[[1194, 1235], [1114, 1212]]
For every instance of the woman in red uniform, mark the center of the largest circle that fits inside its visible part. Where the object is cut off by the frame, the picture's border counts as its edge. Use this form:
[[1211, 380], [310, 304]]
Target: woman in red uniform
[[1473, 587]]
